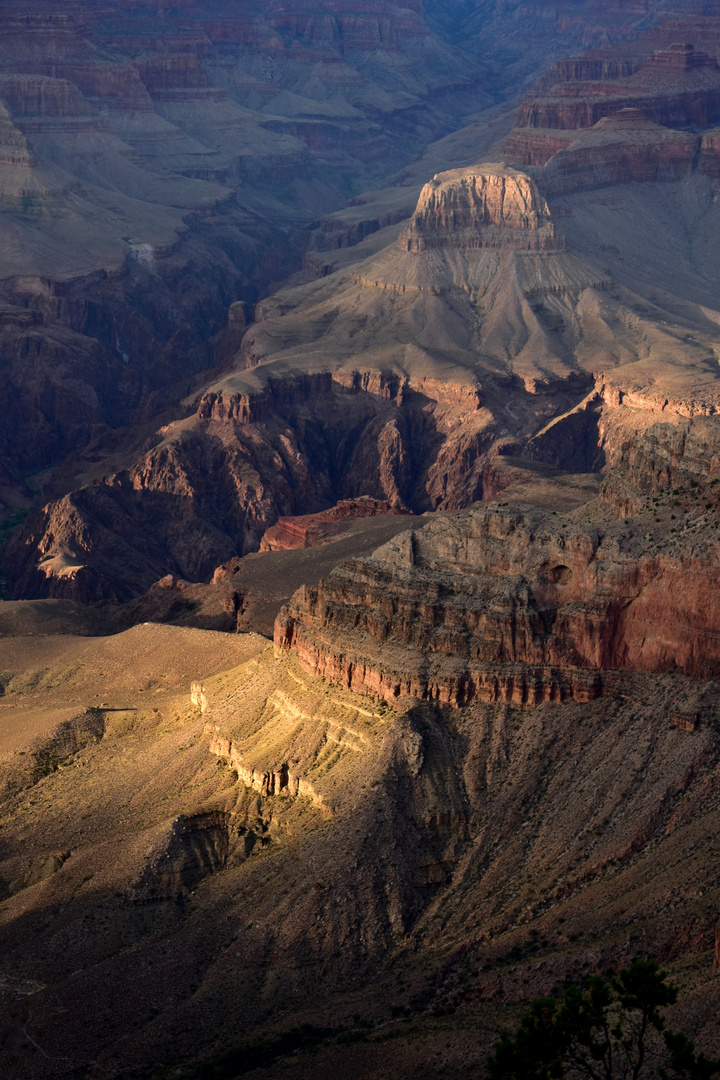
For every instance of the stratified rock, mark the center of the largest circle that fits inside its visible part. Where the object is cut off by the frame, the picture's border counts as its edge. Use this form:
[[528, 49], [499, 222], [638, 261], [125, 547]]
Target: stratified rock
[[311, 530], [494, 605], [661, 458], [676, 87], [622, 148], [488, 206]]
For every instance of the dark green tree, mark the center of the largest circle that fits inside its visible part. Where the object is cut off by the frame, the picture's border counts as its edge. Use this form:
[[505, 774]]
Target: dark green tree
[[608, 1029]]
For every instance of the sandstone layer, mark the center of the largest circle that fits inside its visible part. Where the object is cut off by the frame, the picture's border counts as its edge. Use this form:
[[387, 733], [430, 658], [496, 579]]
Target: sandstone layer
[[628, 106], [494, 605]]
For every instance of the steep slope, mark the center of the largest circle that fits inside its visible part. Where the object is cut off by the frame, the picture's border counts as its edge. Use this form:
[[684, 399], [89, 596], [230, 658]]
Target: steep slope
[[154, 166], [131, 132], [494, 605], [480, 329], [209, 874], [159, 164]]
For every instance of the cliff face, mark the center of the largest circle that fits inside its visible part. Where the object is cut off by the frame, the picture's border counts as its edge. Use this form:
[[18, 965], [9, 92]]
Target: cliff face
[[622, 148], [499, 606], [664, 458], [482, 330], [224, 812], [471, 209], [679, 86], [212, 485], [626, 105]]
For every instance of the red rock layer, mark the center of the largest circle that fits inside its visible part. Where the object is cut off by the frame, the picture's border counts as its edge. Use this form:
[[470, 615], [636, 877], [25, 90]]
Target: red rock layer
[[593, 67], [664, 456], [676, 87], [495, 605], [311, 530], [621, 149]]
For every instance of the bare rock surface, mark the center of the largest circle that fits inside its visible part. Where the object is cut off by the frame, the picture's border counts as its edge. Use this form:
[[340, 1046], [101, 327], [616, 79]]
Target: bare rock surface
[[494, 605], [311, 530], [492, 207], [298, 854], [482, 759], [532, 308], [246, 593]]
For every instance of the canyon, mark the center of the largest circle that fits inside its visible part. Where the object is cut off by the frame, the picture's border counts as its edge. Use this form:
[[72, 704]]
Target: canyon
[[359, 527], [575, 277]]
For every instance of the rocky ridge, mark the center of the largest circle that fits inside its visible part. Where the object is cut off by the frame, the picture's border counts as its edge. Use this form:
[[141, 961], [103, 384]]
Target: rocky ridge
[[498, 288], [496, 605], [620, 118], [311, 530]]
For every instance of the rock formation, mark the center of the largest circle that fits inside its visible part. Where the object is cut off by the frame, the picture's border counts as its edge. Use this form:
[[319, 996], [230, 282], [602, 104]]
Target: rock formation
[[413, 349], [448, 864], [481, 760], [488, 208], [311, 530], [622, 148], [495, 605], [524, 347], [664, 458], [676, 87], [198, 697]]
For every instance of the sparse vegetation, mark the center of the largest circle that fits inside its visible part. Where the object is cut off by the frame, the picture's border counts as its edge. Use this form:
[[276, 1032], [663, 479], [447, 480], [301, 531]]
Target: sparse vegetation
[[609, 1029]]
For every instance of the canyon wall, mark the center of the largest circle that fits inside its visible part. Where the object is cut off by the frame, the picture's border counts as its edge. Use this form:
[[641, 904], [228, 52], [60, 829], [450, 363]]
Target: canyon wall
[[498, 605], [607, 120], [475, 330], [208, 488], [125, 135]]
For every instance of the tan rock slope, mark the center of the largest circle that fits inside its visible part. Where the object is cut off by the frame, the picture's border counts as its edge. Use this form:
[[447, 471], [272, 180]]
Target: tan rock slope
[[278, 851]]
